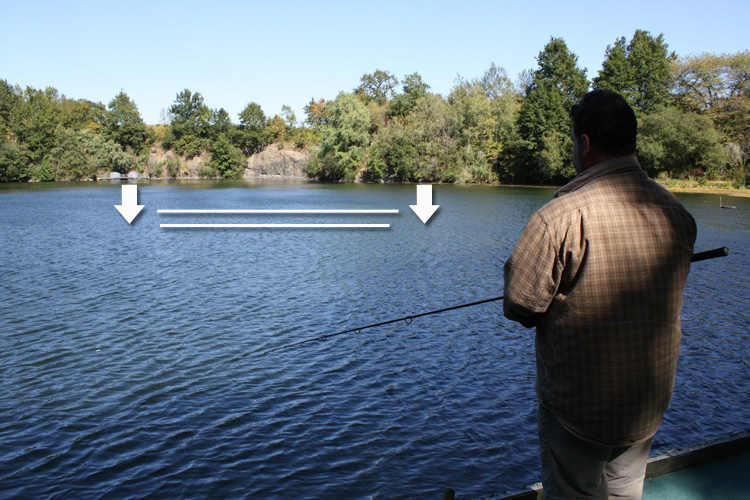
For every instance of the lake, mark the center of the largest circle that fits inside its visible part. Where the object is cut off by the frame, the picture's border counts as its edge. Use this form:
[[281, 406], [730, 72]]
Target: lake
[[137, 360]]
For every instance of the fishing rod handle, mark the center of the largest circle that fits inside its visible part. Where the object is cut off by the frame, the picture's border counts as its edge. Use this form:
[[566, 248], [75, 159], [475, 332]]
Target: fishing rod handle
[[710, 254]]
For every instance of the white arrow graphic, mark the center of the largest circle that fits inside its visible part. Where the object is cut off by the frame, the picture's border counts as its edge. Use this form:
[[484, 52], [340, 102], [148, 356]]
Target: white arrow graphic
[[424, 207], [130, 207]]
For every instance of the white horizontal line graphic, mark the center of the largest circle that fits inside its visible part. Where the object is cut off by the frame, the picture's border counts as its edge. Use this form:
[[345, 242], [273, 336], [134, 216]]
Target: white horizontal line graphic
[[278, 211], [369, 226]]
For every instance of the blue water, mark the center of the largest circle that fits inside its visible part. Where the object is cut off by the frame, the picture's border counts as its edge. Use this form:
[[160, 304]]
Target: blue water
[[135, 359]]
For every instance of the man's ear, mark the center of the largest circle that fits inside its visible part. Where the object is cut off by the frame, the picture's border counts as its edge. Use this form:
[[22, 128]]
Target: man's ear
[[585, 145]]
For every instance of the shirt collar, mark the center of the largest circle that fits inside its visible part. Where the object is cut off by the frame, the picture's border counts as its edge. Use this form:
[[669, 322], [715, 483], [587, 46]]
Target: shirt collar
[[615, 165]]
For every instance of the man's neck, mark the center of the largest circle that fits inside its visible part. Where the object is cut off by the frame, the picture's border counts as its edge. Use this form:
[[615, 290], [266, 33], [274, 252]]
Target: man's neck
[[595, 157]]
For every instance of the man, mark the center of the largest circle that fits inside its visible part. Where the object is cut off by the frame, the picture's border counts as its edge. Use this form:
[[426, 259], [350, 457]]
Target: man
[[600, 271]]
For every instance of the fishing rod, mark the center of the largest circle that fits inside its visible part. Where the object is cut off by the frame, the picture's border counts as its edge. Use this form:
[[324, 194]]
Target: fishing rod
[[708, 254]]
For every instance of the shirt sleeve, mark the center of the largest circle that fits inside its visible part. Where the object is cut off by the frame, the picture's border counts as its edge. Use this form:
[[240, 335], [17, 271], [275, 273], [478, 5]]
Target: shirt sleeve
[[531, 274]]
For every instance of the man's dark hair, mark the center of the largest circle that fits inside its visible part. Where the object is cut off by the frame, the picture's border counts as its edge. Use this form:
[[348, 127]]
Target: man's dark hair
[[608, 120]]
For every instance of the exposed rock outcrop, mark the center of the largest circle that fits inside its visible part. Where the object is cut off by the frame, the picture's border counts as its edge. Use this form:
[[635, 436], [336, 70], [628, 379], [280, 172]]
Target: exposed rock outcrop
[[272, 162], [275, 162]]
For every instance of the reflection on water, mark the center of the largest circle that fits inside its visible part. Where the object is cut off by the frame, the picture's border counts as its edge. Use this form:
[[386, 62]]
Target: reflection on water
[[135, 360]]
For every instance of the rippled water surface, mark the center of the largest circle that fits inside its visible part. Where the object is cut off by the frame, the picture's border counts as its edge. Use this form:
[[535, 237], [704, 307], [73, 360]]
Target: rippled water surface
[[135, 359]]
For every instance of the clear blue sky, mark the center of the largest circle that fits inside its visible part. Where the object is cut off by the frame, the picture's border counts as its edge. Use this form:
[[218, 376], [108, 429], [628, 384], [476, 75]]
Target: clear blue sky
[[287, 52]]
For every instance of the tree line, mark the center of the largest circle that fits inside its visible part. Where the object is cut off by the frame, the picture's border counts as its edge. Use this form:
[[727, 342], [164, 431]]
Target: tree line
[[46, 136], [693, 115]]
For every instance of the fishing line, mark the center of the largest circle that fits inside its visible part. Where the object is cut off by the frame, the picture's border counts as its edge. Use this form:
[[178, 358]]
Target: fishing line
[[709, 254], [406, 319]]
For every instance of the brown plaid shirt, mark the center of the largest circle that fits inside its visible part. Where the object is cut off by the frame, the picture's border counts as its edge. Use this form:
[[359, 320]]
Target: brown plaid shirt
[[600, 271]]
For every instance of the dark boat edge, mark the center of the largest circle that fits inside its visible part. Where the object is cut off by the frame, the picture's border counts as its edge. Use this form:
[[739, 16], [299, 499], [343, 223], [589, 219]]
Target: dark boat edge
[[692, 456], [661, 463]]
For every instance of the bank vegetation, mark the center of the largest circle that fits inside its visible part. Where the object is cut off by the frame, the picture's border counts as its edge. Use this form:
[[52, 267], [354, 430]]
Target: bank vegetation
[[693, 113]]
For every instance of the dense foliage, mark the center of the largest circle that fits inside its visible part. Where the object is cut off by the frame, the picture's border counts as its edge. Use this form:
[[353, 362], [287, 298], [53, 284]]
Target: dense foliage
[[693, 113]]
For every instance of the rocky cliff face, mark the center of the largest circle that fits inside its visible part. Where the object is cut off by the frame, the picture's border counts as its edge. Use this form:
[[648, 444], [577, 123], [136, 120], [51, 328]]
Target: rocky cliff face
[[165, 164], [280, 163], [272, 162]]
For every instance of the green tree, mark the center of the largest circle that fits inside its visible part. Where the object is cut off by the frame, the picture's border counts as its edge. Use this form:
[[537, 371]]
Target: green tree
[[36, 118], [190, 115], [431, 129], [485, 110], [13, 163], [392, 157], [616, 73], [252, 136], [543, 125], [290, 119], [719, 87], [475, 127], [190, 123], [542, 153], [344, 140], [414, 88], [106, 155], [11, 98], [402, 160], [68, 158], [304, 138], [680, 143], [123, 123], [506, 102], [558, 66], [650, 60], [377, 86], [226, 158], [640, 70], [220, 122], [78, 114], [253, 116]]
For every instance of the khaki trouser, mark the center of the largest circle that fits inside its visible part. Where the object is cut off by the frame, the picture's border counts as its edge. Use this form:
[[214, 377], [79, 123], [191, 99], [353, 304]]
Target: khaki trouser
[[576, 469]]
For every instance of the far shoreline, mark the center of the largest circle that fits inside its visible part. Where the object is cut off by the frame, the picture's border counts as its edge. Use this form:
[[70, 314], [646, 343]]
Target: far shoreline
[[744, 193], [674, 186]]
